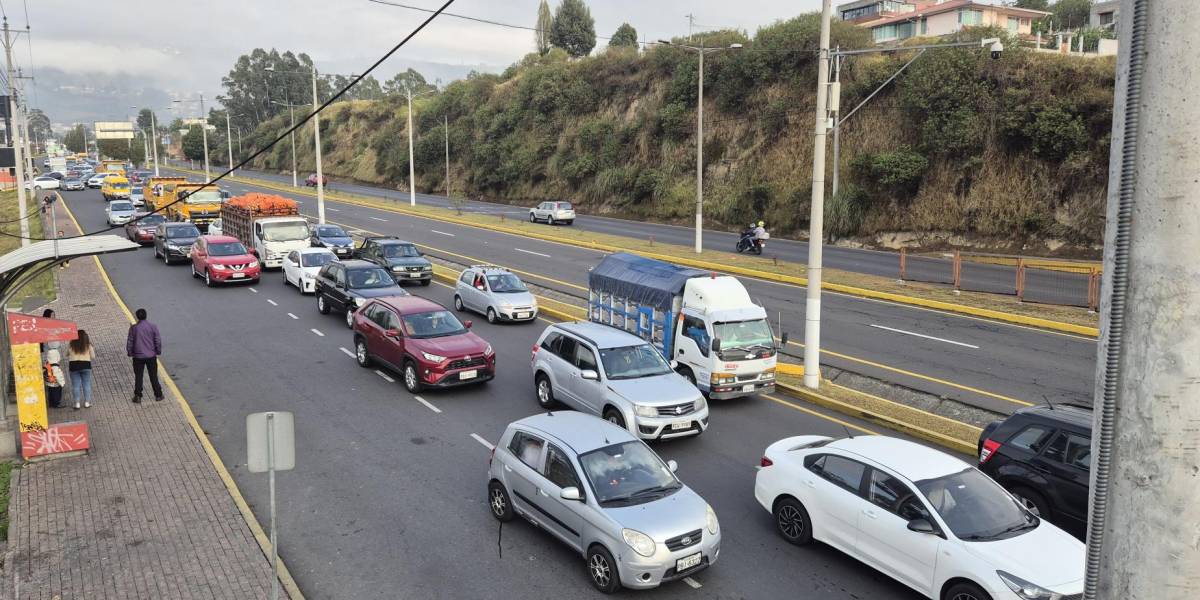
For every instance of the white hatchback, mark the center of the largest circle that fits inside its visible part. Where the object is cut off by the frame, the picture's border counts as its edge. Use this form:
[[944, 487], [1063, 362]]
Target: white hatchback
[[920, 516], [300, 267]]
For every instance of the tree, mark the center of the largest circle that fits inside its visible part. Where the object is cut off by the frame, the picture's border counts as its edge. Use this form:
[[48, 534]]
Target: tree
[[146, 119], [76, 139], [409, 79], [193, 143], [1071, 14], [130, 150], [1033, 4], [39, 124], [367, 89], [541, 34], [625, 35], [574, 30], [252, 92]]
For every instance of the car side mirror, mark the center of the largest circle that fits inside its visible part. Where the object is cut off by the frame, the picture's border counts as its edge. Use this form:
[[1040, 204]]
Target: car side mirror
[[783, 339], [672, 465], [921, 525], [716, 344], [467, 324], [392, 333], [570, 493], [589, 374], [674, 364]]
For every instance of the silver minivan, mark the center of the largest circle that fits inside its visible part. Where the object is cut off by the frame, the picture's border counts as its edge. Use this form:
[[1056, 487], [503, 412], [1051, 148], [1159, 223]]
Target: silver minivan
[[495, 292], [616, 375], [553, 212], [605, 494]]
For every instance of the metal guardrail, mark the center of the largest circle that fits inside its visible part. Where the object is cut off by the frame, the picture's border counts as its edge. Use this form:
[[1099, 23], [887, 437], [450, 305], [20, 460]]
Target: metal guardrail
[[1065, 283]]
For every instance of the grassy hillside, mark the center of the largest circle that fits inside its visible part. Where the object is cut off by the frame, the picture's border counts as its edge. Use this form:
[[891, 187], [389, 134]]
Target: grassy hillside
[[1005, 153]]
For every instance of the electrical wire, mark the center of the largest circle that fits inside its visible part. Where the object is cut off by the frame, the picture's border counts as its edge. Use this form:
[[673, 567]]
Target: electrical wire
[[32, 213], [29, 44], [281, 137]]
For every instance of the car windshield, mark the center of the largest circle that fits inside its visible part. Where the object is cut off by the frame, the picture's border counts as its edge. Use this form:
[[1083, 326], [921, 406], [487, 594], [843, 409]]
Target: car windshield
[[400, 251], [628, 473], [564, 206], [226, 249], [183, 232], [331, 231], [364, 279], [120, 186], [744, 334], [631, 362], [506, 283], [120, 207], [975, 507], [204, 197], [154, 219], [439, 323], [316, 259], [284, 232]]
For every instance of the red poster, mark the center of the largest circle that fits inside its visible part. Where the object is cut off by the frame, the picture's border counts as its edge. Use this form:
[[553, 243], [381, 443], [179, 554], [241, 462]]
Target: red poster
[[30, 329], [60, 437]]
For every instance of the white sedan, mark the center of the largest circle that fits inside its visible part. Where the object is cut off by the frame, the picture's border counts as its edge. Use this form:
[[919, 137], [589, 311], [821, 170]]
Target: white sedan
[[300, 267], [920, 516], [42, 183]]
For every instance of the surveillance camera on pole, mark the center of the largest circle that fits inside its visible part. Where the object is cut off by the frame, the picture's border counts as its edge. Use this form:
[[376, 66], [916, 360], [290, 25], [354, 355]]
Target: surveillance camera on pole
[[996, 46]]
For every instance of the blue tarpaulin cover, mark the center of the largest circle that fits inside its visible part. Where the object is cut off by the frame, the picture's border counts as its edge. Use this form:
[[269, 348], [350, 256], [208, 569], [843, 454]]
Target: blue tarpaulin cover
[[645, 281]]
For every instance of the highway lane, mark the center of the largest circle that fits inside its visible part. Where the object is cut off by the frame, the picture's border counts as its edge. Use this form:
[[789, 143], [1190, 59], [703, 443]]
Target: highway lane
[[996, 366], [1040, 284], [388, 496]]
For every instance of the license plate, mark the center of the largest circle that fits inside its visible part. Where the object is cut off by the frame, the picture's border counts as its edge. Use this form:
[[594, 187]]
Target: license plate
[[681, 425], [238, 275], [688, 562], [747, 388], [468, 374], [523, 315], [414, 275]]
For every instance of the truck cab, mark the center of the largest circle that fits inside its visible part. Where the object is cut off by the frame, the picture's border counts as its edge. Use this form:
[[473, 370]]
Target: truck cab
[[160, 191], [197, 204], [275, 237]]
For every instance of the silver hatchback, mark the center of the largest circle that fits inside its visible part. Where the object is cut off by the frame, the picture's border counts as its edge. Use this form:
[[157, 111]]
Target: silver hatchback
[[605, 494], [553, 212], [496, 293]]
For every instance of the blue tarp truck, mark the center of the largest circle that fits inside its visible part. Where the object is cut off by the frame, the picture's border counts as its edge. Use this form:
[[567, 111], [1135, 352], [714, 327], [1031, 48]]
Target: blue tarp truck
[[706, 323]]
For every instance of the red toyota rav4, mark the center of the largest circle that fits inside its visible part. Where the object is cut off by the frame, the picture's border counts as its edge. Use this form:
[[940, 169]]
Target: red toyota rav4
[[423, 341], [223, 259]]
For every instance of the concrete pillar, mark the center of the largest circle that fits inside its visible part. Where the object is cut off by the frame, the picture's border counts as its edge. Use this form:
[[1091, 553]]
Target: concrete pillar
[[1146, 530]]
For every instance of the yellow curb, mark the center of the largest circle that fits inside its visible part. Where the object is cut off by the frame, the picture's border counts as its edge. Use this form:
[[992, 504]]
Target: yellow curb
[[264, 541], [985, 313], [789, 369]]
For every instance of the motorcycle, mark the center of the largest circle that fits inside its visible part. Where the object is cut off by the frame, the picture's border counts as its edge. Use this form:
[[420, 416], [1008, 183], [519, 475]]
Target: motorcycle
[[749, 243]]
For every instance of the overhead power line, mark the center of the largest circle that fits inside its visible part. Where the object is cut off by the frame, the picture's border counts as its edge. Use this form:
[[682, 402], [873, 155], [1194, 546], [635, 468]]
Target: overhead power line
[[470, 18]]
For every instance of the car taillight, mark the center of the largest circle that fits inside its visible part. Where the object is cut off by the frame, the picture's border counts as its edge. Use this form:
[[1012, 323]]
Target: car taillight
[[533, 353], [765, 462], [988, 450]]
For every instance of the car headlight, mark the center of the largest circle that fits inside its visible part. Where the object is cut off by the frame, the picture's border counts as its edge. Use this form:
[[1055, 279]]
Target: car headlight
[[359, 301], [172, 246], [710, 520], [769, 374], [217, 267], [722, 378], [488, 351], [506, 306], [1025, 590], [645, 411], [397, 269], [432, 357], [308, 276], [701, 404], [640, 542], [253, 263]]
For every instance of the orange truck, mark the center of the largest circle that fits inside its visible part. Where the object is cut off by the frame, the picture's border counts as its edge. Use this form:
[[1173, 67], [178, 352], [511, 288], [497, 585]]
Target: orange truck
[[269, 224]]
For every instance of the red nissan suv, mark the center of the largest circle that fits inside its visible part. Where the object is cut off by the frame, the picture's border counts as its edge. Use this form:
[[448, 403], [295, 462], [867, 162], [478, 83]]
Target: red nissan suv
[[423, 341], [223, 259]]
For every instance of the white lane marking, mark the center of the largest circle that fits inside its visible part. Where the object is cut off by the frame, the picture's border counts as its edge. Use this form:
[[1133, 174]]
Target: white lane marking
[[293, 316], [532, 252], [427, 404], [384, 376], [486, 443], [254, 290], [928, 337], [378, 219], [442, 233], [317, 332], [347, 352], [692, 582], [273, 303], [332, 209]]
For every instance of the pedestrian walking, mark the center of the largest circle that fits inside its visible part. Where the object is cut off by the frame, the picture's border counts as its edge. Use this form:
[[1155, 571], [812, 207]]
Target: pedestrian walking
[[52, 373], [144, 346], [80, 355]]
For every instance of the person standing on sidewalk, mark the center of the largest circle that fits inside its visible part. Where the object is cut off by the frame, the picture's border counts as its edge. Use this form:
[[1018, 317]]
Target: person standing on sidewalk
[[144, 346], [80, 355], [54, 378]]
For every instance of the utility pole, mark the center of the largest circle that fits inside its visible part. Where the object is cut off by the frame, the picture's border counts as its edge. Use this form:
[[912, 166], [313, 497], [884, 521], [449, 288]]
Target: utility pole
[[446, 129], [154, 142], [317, 144], [835, 101], [1142, 536], [412, 169], [204, 134], [18, 155], [699, 148], [229, 137], [292, 116], [816, 226]]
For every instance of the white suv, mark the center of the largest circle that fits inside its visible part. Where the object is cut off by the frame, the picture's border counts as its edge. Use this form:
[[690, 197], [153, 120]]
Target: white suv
[[553, 212]]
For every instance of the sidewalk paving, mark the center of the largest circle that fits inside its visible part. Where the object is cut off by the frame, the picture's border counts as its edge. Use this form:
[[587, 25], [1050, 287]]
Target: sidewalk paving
[[145, 514]]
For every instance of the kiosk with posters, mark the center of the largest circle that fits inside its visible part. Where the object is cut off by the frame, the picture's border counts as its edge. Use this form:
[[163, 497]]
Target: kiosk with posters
[[39, 438]]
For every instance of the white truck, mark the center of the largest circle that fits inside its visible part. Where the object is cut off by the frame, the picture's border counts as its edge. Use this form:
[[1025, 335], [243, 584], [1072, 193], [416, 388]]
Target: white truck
[[271, 226], [705, 324]]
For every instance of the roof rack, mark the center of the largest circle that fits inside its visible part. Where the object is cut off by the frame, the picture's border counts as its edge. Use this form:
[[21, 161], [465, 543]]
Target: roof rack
[[488, 267]]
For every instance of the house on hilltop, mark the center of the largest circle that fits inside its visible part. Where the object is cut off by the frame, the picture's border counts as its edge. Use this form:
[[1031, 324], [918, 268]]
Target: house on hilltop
[[897, 20]]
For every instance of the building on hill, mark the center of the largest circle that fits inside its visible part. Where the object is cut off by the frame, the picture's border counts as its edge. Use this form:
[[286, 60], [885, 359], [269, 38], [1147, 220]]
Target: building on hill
[[1104, 14], [893, 21]]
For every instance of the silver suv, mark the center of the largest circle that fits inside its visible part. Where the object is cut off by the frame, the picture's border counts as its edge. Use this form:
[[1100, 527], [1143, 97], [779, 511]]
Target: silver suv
[[495, 292], [605, 494], [607, 372], [553, 212]]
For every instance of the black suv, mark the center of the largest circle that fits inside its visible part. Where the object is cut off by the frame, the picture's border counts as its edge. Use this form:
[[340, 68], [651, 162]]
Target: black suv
[[173, 241], [1043, 455], [400, 258], [345, 286]]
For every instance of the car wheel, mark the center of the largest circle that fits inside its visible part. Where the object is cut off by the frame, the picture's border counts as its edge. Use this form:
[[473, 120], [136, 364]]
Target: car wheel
[[965, 590], [615, 417], [349, 318], [545, 391], [195, 273], [532, 219], [499, 503], [166, 258], [360, 353], [550, 221], [792, 522], [602, 570], [458, 305], [208, 280], [322, 304], [412, 381], [491, 315], [1032, 501], [426, 282]]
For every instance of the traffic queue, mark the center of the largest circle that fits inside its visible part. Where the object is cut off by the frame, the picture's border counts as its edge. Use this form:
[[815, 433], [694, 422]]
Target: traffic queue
[[661, 341]]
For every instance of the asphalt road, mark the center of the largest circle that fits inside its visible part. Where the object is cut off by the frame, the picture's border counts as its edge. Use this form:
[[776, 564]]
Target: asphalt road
[[1040, 285], [982, 363], [387, 500]]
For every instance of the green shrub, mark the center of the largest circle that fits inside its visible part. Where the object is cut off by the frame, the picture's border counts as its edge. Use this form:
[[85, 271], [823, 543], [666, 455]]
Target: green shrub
[[1056, 133], [844, 212], [895, 174], [675, 121]]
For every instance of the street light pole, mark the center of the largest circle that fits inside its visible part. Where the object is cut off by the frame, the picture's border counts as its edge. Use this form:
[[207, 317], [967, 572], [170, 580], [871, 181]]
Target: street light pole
[[446, 130], [292, 116], [204, 134], [412, 170], [229, 137], [17, 150], [816, 225], [317, 144], [154, 142]]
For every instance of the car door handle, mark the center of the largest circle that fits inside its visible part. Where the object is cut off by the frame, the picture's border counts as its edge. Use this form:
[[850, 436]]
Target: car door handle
[[810, 483], [507, 469], [870, 513], [542, 492]]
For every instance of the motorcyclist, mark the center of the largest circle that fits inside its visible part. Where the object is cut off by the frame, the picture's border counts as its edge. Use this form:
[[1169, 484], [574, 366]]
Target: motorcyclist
[[760, 232]]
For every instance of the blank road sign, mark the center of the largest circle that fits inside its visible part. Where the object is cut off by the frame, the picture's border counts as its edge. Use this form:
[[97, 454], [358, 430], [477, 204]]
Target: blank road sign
[[277, 428]]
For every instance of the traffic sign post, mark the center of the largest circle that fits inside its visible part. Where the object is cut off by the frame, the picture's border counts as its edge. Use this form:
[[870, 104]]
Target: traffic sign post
[[270, 447]]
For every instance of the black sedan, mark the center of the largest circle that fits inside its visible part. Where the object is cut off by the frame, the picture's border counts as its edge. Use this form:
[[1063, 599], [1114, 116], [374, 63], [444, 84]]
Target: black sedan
[[334, 238]]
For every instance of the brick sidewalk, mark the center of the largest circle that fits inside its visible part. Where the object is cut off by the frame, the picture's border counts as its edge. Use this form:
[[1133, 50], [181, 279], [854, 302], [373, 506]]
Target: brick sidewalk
[[145, 514]]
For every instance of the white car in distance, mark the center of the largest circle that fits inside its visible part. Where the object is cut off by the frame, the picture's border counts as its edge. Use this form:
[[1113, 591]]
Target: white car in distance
[[920, 516], [300, 267]]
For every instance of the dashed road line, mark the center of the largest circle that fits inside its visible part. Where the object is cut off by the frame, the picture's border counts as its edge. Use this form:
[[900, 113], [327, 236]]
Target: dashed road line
[[692, 582], [921, 335], [293, 316], [442, 233], [273, 303], [253, 290], [384, 376], [532, 252], [317, 332], [378, 219], [347, 352], [330, 209], [486, 443], [427, 404]]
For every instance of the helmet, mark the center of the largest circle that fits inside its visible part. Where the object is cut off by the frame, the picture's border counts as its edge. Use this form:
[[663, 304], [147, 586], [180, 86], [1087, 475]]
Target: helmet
[[760, 223]]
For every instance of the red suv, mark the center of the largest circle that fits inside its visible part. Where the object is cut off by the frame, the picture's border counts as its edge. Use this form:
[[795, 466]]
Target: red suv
[[223, 259], [423, 341]]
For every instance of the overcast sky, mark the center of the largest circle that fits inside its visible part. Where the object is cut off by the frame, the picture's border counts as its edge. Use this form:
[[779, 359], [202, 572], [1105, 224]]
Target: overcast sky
[[181, 47]]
